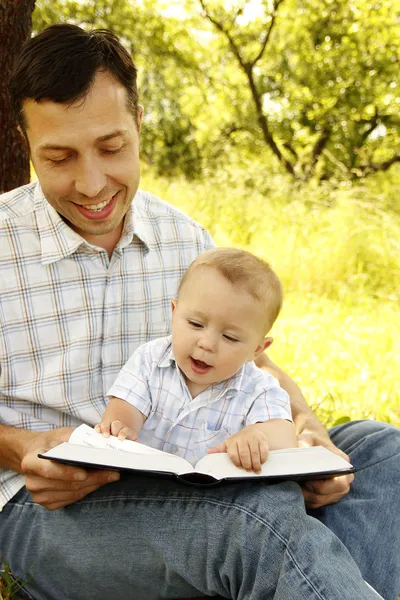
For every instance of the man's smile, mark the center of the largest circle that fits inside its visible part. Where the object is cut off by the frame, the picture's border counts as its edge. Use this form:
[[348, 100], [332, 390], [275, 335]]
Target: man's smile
[[100, 210]]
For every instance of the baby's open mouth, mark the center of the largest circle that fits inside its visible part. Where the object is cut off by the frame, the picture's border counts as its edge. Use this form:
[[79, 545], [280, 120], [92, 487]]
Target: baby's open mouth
[[200, 367]]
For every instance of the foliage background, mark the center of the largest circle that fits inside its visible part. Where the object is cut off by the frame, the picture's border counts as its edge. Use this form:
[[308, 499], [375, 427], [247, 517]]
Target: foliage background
[[275, 124]]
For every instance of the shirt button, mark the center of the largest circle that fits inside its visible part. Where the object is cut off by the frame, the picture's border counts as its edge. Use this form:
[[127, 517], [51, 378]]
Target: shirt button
[[173, 449]]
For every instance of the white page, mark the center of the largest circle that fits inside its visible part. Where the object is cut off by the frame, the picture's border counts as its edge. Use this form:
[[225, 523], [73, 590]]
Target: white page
[[110, 457], [87, 436], [290, 461]]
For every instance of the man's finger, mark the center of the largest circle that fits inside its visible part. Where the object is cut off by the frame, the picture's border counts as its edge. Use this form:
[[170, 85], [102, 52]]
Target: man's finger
[[36, 482], [59, 499], [33, 465], [327, 487], [313, 501]]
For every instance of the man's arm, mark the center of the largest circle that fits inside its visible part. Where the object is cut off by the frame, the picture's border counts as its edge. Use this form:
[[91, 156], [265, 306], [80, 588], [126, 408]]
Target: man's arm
[[310, 432], [51, 484], [13, 441]]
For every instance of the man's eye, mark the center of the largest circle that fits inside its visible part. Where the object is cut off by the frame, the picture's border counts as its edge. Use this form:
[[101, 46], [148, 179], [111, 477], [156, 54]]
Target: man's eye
[[114, 151], [195, 324], [230, 339], [59, 161]]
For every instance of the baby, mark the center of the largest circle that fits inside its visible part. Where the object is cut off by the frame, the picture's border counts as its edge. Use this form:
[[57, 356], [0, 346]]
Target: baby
[[199, 391]]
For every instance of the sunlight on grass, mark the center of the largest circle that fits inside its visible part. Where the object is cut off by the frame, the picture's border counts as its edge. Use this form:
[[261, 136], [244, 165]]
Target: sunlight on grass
[[337, 253]]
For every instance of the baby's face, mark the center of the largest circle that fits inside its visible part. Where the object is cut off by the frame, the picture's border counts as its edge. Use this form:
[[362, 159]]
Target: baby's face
[[216, 328]]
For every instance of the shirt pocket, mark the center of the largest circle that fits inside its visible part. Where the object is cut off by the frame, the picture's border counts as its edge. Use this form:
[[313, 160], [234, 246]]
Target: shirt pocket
[[150, 330], [208, 438]]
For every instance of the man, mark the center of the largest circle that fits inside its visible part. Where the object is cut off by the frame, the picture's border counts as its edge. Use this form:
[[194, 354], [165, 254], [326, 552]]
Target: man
[[88, 265]]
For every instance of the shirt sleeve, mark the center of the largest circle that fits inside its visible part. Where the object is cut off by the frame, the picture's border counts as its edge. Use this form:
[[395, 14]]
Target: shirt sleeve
[[205, 241], [132, 382], [272, 403]]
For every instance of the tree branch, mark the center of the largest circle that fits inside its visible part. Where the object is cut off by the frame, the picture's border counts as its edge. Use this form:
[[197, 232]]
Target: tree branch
[[320, 145], [248, 69], [222, 29], [268, 34], [372, 167], [288, 146]]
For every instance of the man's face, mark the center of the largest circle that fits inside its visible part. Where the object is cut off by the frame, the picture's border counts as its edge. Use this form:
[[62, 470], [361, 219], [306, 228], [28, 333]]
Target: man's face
[[86, 156], [216, 327]]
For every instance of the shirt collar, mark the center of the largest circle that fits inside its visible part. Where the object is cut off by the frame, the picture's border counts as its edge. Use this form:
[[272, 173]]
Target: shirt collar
[[58, 240], [167, 359]]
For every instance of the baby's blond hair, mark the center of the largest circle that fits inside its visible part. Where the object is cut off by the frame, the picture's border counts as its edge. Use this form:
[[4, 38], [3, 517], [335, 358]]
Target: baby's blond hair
[[247, 271]]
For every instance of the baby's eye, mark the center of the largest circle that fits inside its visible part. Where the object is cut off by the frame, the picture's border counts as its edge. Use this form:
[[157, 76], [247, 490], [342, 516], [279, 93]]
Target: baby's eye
[[230, 339], [195, 324]]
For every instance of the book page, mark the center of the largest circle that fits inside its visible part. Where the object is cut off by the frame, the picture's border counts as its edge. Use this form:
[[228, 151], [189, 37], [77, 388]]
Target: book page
[[87, 436], [290, 461], [88, 456]]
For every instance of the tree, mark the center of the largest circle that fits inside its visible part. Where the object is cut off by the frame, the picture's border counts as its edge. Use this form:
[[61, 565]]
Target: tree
[[15, 28], [321, 77]]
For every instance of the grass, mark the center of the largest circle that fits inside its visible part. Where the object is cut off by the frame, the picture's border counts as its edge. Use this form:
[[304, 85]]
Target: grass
[[337, 253], [10, 587]]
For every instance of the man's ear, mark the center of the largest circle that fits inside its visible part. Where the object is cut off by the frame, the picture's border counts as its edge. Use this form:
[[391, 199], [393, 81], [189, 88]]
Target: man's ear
[[267, 341], [174, 304], [23, 136], [140, 117]]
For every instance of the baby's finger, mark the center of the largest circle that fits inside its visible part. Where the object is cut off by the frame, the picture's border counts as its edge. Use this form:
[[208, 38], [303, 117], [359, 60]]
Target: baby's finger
[[127, 434], [245, 456], [116, 427], [233, 453], [103, 428], [264, 450], [254, 448]]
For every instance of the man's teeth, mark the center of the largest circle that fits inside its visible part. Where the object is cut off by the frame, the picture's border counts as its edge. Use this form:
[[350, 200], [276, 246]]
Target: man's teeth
[[97, 207]]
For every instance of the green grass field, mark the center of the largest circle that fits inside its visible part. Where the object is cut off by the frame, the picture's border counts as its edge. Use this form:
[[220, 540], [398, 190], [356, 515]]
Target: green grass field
[[337, 253]]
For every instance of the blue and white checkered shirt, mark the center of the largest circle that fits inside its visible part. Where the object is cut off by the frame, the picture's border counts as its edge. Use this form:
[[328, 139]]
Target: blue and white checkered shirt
[[177, 423], [70, 317]]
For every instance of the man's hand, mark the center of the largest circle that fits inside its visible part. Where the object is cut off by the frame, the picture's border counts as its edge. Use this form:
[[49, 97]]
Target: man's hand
[[310, 432], [325, 491], [52, 484], [116, 428], [248, 448]]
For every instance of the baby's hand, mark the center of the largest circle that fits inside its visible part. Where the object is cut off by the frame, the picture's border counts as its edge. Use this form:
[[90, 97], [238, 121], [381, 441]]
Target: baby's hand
[[248, 448], [117, 428]]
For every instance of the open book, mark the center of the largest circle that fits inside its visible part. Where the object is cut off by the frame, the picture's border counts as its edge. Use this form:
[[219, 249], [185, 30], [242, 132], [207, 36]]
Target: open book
[[89, 449]]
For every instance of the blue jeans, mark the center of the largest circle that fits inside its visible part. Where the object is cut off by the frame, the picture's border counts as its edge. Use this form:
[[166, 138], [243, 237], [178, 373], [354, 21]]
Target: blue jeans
[[143, 539]]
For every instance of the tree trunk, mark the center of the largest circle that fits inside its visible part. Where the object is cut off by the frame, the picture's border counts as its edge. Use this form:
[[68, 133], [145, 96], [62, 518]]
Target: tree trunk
[[15, 28]]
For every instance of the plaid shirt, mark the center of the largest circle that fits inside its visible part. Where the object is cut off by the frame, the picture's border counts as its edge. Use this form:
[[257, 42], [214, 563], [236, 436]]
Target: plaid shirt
[[177, 423], [70, 317]]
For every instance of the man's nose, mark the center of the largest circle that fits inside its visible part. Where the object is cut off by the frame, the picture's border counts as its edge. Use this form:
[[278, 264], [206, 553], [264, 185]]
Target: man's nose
[[90, 179]]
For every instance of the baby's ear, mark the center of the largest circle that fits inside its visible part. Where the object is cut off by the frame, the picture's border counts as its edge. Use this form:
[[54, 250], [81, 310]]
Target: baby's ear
[[174, 304], [267, 341]]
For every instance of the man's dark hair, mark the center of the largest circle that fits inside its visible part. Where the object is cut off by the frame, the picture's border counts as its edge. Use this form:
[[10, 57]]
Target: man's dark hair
[[60, 65]]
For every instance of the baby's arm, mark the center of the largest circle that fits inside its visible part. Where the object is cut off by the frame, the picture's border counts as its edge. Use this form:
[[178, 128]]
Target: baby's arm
[[280, 433], [249, 447], [122, 420]]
